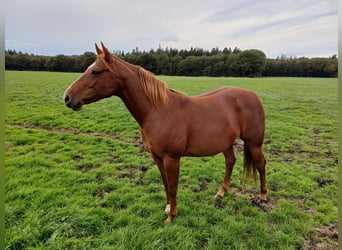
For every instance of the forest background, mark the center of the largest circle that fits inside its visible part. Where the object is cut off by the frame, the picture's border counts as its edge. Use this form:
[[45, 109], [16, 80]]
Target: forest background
[[190, 62]]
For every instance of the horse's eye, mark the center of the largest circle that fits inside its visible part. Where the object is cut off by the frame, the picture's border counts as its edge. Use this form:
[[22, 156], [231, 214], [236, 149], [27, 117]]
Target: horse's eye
[[94, 72]]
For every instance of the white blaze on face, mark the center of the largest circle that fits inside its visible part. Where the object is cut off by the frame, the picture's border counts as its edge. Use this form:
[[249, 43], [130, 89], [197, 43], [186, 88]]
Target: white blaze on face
[[66, 91], [92, 65]]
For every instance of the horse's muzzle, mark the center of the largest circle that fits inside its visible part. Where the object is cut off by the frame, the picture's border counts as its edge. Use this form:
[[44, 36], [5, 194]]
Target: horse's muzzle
[[75, 105]]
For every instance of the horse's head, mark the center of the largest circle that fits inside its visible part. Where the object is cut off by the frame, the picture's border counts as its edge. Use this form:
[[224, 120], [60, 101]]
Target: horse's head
[[96, 83]]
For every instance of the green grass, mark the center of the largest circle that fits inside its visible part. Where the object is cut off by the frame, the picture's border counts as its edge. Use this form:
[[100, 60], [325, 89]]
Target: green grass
[[80, 180]]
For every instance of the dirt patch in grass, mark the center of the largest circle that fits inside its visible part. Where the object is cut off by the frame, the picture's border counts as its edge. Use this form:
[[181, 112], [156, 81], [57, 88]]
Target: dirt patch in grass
[[255, 200], [289, 154], [323, 181], [127, 172], [86, 168], [330, 231], [77, 158], [112, 158], [264, 205], [202, 186], [100, 178], [102, 193], [219, 203], [113, 136], [324, 238]]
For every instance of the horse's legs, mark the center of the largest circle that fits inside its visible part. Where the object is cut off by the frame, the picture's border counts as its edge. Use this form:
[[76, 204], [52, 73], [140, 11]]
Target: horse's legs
[[260, 164], [161, 168], [171, 166], [230, 161]]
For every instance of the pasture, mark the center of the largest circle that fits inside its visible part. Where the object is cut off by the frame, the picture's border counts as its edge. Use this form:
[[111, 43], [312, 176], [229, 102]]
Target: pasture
[[82, 180]]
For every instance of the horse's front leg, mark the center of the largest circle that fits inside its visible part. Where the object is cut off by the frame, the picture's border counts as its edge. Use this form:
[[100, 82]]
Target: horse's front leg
[[161, 168], [171, 167]]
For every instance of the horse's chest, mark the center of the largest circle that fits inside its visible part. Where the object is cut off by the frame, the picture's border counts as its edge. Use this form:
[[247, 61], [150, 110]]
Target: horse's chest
[[146, 141], [164, 141]]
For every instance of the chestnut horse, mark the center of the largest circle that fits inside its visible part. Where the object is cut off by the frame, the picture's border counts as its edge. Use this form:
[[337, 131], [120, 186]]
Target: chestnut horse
[[174, 124]]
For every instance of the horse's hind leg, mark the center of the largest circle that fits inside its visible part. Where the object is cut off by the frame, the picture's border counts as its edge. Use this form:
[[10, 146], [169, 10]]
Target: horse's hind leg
[[260, 164], [230, 161]]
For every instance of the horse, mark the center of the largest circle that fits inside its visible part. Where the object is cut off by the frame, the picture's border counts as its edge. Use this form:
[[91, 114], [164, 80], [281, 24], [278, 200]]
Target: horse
[[174, 125]]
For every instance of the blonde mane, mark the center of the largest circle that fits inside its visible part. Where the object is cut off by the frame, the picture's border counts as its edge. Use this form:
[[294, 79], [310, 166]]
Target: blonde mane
[[155, 89]]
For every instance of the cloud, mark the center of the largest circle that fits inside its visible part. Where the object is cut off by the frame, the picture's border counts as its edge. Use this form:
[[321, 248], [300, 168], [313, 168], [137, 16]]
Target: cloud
[[307, 27], [14, 43], [172, 38], [290, 28]]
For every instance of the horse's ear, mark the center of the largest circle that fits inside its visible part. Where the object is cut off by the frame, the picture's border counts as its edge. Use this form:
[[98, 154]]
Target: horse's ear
[[98, 51], [108, 55]]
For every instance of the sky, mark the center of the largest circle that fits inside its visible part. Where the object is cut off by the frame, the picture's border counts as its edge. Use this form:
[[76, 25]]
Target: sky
[[71, 27]]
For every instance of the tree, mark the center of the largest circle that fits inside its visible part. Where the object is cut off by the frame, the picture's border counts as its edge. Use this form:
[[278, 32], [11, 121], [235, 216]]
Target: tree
[[163, 64], [86, 59], [331, 67], [61, 63], [193, 62], [148, 61], [252, 62]]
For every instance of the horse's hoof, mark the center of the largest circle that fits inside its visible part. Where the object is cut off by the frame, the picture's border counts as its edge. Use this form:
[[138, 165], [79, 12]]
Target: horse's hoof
[[167, 209], [169, 219], [260, 201], [218, 197]]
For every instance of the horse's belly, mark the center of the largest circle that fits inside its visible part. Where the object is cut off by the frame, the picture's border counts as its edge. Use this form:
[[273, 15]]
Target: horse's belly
[[208, 145], [205, 152]]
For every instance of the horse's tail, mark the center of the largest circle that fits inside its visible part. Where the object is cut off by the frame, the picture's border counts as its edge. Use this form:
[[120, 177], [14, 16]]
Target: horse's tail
[[248, 165]]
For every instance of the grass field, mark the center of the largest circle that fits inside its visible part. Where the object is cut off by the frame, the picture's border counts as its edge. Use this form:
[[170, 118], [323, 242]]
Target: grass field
[[81, 180]]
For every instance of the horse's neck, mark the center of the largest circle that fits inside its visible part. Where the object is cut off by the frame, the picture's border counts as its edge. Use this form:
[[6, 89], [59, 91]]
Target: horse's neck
[[132, 93]]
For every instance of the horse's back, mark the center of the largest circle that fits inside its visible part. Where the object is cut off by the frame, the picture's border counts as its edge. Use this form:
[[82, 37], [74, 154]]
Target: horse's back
[[234, 97]]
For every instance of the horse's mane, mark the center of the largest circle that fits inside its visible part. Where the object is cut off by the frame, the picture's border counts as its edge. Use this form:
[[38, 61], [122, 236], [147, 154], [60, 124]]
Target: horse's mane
[[155, 89]]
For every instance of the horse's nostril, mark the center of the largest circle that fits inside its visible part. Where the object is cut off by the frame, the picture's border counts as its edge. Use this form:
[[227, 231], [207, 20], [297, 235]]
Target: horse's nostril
[[66, 99]]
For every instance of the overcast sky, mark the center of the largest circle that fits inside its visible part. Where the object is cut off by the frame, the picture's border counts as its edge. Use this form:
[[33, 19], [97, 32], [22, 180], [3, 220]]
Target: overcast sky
[[291, 27]]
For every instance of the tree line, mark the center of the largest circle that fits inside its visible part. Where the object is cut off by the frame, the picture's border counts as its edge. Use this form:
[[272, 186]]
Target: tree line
[[192, 62]]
